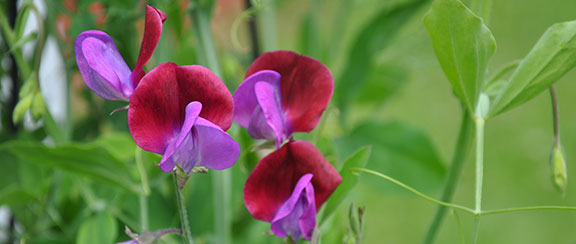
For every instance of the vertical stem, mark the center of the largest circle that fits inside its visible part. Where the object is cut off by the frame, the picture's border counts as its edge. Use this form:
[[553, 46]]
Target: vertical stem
[[268, 25], [145, 192], [556, 115], [221, 180], [184, 224], [479, 174], [462, 147], [255, 45]]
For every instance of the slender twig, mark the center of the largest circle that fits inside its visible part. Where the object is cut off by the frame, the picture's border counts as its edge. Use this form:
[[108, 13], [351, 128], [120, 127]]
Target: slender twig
[[185, 224], [420, 194], [462, 147], [523, 209], [145, 191], [556, 115]]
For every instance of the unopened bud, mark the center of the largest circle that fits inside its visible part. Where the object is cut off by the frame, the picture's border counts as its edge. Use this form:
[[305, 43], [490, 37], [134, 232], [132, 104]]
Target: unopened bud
[[559, 173], [21, 108], [38, 106]]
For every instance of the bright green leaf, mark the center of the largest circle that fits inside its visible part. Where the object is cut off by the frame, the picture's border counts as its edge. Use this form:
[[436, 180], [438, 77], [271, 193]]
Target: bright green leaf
[[463, 46], [87, 160], [401, 151], [99, 229], [349, 180], [552, 56]]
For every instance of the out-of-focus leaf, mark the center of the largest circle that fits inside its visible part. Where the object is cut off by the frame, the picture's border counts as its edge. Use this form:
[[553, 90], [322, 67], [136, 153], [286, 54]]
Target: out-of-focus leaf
[[120, 145], [375, 36], [553, 55], [349, 180], [14, 195], [87, 160], [98, 229], [463, 46], [400, 151]]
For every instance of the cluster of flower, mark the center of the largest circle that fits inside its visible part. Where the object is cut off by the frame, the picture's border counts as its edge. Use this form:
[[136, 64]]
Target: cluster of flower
[[183, 112]]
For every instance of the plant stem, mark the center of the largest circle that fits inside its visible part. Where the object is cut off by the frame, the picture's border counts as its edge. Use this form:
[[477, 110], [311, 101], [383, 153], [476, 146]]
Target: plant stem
[[556, 115], [479, 173], [253, 28], [145, 192], [221, 180], [268, 24], [462, 147], [185, 225], [418, 193], [532, 208]]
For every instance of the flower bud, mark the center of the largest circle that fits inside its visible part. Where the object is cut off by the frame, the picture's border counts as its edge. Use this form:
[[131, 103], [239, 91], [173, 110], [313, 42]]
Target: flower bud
[[558, 164]]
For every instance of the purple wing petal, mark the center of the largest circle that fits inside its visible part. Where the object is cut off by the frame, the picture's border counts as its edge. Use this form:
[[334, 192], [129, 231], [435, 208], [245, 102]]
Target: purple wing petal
[[259, 127], [216, 148], [297, 216], [102, 66], [245, 101], [182, 150], [269, 100]]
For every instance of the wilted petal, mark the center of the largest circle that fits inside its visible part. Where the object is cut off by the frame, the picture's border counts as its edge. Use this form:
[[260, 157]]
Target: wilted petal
[[216, 148], [274, 178], [245, 101], [152, 32], [182, 150], [157, 107], [297, 216], [306, 86], [102, 66]]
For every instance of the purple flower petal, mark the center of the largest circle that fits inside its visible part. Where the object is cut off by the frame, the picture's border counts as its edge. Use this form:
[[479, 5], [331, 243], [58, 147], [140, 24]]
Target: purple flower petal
[[182, 150], [297, 216], [200, 143], [269, 100], [216, 148], [102, 67], [245, 101]]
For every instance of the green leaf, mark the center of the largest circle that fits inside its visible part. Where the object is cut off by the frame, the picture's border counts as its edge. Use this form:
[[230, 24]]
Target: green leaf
[[463, 46], [553, 56], [349, 180], [400, 151], [88, 160], [99, 229], [374, 37]]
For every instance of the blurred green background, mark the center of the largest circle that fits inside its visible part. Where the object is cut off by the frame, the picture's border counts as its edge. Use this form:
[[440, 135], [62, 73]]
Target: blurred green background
[[395, 98]]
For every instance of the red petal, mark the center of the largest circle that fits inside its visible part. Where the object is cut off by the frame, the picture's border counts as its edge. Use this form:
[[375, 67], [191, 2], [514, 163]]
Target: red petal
[[200, 84], [276, 175], [157, 106], [152, 32], [307, 86]]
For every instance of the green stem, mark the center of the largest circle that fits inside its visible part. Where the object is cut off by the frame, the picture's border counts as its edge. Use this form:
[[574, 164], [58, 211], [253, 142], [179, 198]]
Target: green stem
[[463, 144], [145, 191], [418, 193], [556, 115], [479, 174], [267, 20], [185, 225], [522, 209], [221, 180]]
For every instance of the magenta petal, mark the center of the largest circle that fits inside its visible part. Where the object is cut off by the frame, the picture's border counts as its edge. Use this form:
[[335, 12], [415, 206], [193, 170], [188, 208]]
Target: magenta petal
[[274, 178], [297, 216], [306, 86], [102, 66], [155, 113], [152, 32], [216, 148], [182, 150], [269, 99], [245, 101]]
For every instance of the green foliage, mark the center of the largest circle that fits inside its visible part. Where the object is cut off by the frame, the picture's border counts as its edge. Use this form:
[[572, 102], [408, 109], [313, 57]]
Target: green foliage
[[553, 56], [349, 179], [90, 160], [463, 45], [98, 229], [400, 151]]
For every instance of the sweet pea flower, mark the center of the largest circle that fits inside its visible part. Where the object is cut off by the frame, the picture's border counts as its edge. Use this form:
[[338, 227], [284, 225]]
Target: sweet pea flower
[[288, 187], [147, 237], [103, 68], [182, 113], [283, 93]]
